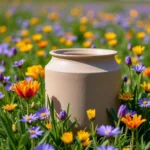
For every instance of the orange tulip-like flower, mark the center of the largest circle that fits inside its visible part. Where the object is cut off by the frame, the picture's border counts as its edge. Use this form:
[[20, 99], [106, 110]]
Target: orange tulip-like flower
[[133, 122], [26, 89]]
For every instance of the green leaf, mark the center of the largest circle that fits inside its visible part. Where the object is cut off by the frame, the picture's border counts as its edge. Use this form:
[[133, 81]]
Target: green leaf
[[44, 137]]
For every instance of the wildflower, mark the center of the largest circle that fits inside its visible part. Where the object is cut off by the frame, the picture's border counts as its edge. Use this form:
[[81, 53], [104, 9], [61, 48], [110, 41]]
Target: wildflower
[[107, 148], [146, 72], [67, 137], [125, 78], [3, 29], [26, 89], [69, 43], [49, 126], [144, 102], [138, 50], [35, 132], [29, 118], [129, 46], [62, 39], [110, 35], [5, 80], [83, 135], [9, 107], [1, 95], [146, 87], [43, 113], [43, 44], [126, 96], [112, 42], [63, 115], [47, 29], [2, 68], [126, 148], [87, 44], [82, 28], [121, 111], [14, 51], [41, 53], [36, 37], [19, 63], [34, 21], [26, 48], [44, 147], [35, 71], [86, 142], [128, 61], [1, 77], [139, 68], [93, 46], [88, 35], [91, 113], [130, 113], [108, 131], [140, 35], [133, 122], [118, 60], [83, 20]]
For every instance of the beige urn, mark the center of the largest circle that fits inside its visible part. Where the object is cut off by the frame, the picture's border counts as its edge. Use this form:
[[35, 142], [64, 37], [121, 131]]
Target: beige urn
[[85, 79]]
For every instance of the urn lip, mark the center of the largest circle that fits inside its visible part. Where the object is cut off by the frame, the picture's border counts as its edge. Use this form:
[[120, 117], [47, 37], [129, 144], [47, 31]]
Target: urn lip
[[76, 53]]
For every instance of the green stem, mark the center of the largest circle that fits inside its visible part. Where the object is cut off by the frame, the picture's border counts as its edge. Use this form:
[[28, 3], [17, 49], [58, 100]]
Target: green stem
[[27, 107], [118, 125], [32, 144], [132, 141], [130, 79]]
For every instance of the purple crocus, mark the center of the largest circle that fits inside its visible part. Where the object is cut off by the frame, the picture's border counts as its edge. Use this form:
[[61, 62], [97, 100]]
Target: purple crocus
[[128, 61], [129, 46], [63, 115], [108, 131], [44, 147], [1, 77], [144, 102], [14, 51], [130, 112], [2, 68], [1, 95], [107, 148], [43, 113], [93, 46], [29, 118], [121, 111], [125, 78], [19, 63], [139, 68], [6, 80], [35, 132]]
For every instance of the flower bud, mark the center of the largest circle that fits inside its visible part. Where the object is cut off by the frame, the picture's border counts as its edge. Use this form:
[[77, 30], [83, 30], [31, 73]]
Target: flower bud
[[129, 46], [1, 77], [63, 115], [121, 111], [14, 128], [128, 61]]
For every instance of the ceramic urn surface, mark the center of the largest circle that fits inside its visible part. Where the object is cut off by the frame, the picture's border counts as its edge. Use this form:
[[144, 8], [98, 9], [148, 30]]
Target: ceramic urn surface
[[85, 79]]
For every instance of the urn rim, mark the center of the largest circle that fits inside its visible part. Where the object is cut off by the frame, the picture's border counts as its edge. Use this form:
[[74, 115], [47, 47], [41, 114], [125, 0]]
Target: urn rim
[[82, 53]]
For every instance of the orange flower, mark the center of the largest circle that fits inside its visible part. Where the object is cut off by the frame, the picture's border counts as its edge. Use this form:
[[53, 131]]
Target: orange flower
[[42, 44], [133, 122], [26, 89], [146, 72]]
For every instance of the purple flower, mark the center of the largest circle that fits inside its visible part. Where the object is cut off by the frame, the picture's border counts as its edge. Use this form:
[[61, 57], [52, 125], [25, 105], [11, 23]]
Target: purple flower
[[29, 118], [130, 112], [19, 63], [107, 148], [14, 51], [35, 132], [63, 115], [16, 78], [1, 77], [93, 46], [108, 131], [3, 62], [43, 113], [144, 102], [139, 68], [121, 111], [129, 46], [7, 87], [44, 147], [6, 79], [125, 78], [1, 95], [128, 61], [2, 68]]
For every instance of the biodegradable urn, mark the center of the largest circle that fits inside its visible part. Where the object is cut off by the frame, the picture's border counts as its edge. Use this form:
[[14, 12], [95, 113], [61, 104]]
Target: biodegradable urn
[[85, 79]]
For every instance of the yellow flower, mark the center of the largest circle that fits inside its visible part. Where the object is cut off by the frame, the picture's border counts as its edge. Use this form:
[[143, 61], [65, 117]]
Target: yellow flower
[[140, 35], [133, 13], [35, 71], [24, 33], [69, 43], [82, 28], [54, 47], [126, 96], [91, 113], [118, 59], [83, 135], [9, 107], [87, 44], [26, 48], [26, 89], [110, 35], [62, 39], [135, 60], [36, 37], [20, 44], [34, 21], [27, 40], [43, 44], [75, 11], [53, 16], [49, 126], [83, 20], [146, 87], [47, 29], [7, 39], [3, 29], [148, 30], [112, 42], [67, 137], [133, 122], [89, 35], [128, 35], [126, 148], [40, 53], [138, 50], [86, 142]]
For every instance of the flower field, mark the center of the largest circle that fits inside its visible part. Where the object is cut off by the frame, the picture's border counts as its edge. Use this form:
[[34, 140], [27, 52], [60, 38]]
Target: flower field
[[28, 33]]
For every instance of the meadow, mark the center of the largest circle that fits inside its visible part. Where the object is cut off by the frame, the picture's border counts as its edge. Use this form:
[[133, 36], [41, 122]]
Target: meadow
[[29, 31]]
